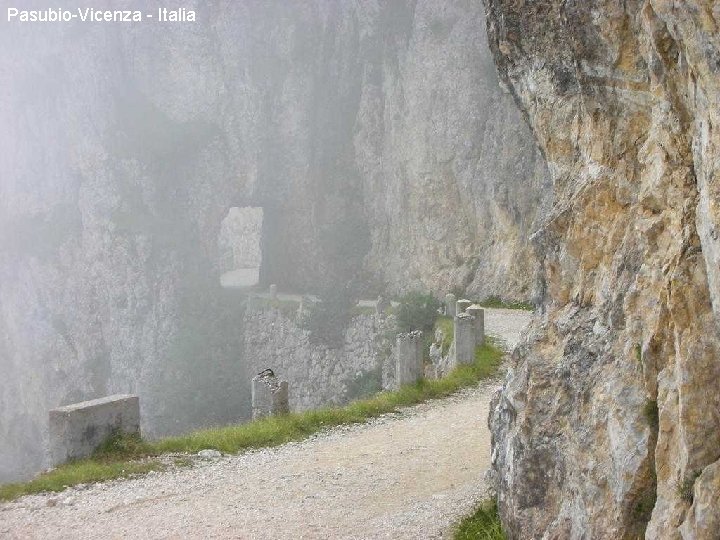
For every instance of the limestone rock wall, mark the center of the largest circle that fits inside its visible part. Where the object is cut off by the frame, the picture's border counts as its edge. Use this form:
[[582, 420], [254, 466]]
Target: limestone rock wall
[[609, 423]]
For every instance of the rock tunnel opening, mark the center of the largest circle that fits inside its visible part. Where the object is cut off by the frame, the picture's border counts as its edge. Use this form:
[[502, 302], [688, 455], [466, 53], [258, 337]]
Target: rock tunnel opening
[[240, 247]]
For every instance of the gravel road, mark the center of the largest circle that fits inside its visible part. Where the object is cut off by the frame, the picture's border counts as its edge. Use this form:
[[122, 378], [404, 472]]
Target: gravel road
[[409, 475]]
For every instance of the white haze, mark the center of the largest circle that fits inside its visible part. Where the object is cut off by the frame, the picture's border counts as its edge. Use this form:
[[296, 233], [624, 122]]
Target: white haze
[[372, 136]]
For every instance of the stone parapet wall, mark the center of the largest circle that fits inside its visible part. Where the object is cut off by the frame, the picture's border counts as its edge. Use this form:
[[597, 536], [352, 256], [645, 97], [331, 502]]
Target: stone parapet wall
[[317, 374]]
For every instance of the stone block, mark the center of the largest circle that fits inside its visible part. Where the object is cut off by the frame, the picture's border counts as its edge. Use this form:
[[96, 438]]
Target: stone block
[[450, 305], [382, 305], [77, 430], [464, 341], [479, 314], [270, 396], [409, 358], [462, 305]]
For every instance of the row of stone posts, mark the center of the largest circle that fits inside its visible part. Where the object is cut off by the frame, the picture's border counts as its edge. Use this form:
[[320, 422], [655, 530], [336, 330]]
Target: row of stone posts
[[469, 329], [270, 395], [469, 333]]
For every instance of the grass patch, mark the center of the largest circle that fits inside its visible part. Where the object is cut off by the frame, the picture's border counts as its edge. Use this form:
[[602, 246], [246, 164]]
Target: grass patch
[[276, 430], [498, 303], [484, 524], [122, 446], [121, 456], [364, 385], [446, 324], [686, 488], [638, 353], [643, 507], [79, 472]]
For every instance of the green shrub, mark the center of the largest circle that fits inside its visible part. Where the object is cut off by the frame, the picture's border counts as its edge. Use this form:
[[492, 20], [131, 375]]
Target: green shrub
[[364, 385], [447, 326], [484, 524], [642, 510], [651, 413], [686, 488], [122, 446], [417, 311], [328, 320]]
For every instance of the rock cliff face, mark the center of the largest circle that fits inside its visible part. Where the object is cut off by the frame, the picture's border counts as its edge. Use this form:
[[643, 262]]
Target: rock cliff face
[[373, 134], [609, 423]]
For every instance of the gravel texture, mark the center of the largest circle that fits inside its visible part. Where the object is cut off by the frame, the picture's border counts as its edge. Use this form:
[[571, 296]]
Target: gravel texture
[[407, 475]]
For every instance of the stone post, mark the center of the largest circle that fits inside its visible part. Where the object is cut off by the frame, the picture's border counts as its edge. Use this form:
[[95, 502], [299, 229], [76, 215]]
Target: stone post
[[409, 358], [273, 292], [464, 339], [450, 304], [382, 305], [301, 308], [479, 314], [462, 305], [281, 399], [269, 396]]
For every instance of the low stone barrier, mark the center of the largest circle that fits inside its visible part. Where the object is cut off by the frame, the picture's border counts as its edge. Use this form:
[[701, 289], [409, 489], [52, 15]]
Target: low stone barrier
[[270, 396], [409, 358], [77, 430]]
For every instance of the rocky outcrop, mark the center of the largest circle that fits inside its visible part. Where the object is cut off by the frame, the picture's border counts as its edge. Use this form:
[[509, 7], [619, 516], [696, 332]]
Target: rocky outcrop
[[609, 423]]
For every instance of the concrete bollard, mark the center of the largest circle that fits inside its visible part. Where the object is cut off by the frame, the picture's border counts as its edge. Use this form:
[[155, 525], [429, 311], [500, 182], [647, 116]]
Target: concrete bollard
[[409, 358], [464, 339], [382, 305], [479, 314], [273, 292], [77, 430], [270, 396], [301, 308], [450, 305], [304, 305], [462, 305], [281, 399]]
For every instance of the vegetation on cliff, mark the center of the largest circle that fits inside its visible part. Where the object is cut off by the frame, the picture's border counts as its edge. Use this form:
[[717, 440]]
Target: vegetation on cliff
[[484, 524]]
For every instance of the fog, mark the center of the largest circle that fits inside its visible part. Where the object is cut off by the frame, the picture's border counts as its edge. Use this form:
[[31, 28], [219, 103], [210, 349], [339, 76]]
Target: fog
[[153, 174]]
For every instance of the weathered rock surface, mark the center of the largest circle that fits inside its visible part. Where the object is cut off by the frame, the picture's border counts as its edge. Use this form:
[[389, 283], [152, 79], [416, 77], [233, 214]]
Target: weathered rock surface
[[320, 375], [609, 423], [373, 134]]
